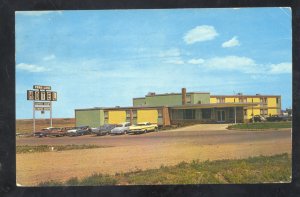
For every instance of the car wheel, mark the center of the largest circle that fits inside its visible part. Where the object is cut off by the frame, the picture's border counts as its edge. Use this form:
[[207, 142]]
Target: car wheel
[[125, 132], [145, 131]]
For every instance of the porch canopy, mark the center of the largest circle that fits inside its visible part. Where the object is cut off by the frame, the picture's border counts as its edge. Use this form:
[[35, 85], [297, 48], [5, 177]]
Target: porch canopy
[[215, 105]]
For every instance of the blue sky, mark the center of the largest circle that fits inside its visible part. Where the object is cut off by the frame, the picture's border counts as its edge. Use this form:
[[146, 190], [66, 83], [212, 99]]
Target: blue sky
[[105, 58]]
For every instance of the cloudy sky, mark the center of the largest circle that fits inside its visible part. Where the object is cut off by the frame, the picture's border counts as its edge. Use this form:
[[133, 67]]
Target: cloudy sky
[[105, 58]]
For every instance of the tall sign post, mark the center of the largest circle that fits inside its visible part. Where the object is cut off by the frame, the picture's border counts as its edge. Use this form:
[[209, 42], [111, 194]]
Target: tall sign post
[[42, 98]]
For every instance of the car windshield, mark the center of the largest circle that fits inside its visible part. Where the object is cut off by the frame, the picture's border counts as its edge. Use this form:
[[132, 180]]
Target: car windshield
[[119, 125]]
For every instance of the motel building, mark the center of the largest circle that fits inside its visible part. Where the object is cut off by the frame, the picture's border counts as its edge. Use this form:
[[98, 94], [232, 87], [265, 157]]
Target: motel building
[[184, 107]]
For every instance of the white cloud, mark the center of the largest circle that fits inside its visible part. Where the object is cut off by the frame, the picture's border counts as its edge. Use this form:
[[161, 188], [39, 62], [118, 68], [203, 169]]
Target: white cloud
[[49, 57], [196, 61], [281, 68], [200, 34], [245, 65], [174, 52], [36, 13], [31, 68], [231, 43]]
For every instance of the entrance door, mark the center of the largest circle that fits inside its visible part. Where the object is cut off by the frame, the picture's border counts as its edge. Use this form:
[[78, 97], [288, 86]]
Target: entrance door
[[221, 116]]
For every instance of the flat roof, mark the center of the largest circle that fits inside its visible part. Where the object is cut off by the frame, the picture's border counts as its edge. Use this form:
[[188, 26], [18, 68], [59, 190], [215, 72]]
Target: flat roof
[[188, 106], [260, 95], [214, 105], [166, 94]]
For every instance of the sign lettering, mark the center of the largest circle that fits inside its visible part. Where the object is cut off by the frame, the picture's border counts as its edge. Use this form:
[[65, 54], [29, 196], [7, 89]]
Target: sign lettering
[[39, 87]]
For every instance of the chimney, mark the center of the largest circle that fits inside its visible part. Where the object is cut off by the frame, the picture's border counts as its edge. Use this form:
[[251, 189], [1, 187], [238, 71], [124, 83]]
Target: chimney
[[183, 93]]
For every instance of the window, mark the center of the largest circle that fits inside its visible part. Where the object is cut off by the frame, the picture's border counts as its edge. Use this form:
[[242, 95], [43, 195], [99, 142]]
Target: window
[[240, 100], [206, 113], [159, 111], [188, 99], [127, 113], [221, 100], [261, 112], [277, 100], [245, 112], [189, 114], [231, 113], [105, 114], [134, 113]]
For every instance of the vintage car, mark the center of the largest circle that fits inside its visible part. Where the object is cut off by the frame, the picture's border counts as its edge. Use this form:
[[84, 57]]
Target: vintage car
[[103, 130], [143, 127], [49, 131], [77, 131], [122, 128]]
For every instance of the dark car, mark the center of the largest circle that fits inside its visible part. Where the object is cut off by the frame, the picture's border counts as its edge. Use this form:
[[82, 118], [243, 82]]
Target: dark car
[[81, 130], [103, 130], [47, 132], [277, 118]]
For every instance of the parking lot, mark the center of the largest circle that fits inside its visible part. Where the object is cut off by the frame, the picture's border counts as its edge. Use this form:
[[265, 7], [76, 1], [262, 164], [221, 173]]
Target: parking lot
[[151, 150]]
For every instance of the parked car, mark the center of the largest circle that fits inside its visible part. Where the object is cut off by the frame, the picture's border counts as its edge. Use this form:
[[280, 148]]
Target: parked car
[[46, 131], [82, 130], [103, 130], [276, 118], [258, 118], [122, 128], [143, 127]]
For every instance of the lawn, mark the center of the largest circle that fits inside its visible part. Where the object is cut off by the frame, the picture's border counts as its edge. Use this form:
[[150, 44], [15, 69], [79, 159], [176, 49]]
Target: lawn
[[262, 125], [261, 169]]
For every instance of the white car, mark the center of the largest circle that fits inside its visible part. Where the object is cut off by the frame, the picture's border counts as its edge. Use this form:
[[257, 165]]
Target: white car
[[122, 128]]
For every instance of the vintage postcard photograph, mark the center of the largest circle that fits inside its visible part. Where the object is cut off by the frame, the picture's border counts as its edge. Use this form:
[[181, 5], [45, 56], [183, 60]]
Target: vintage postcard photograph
[[153, 96]]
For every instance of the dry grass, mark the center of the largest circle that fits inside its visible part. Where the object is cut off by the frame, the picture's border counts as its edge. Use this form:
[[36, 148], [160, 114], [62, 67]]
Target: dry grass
[[25, 126]]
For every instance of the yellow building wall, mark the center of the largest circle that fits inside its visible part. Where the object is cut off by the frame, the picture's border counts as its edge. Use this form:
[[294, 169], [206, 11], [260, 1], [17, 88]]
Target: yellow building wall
[[272, 112], [229, 100], [147, 116], [116, 117], [213, 100], [255, 112], [272, 102], [255, 100]]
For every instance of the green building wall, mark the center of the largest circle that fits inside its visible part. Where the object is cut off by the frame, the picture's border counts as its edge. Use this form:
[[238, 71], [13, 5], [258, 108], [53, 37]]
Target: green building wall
[[90, 117], [200, 98], [171, 99]]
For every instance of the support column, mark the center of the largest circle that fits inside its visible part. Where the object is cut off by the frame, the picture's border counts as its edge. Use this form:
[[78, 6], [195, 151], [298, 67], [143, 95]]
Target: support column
[[234, 115], [33, 115], [50, 113]]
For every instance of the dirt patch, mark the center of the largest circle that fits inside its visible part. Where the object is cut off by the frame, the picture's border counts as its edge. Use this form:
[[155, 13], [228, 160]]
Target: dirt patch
[[145, 152]]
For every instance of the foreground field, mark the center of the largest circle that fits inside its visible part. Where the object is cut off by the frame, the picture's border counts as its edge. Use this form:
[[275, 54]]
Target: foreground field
[[260, 169], [142, 152]]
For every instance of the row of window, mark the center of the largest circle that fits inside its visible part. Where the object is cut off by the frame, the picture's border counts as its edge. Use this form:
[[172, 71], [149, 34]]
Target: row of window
[[242, 100], [134, 114]]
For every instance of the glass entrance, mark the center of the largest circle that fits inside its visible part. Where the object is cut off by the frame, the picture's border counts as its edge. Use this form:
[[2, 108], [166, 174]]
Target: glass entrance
[[221, 116]]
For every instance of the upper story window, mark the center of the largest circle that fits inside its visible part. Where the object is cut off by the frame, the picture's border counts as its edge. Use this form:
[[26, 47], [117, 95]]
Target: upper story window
[[188, 99], [221, 100]]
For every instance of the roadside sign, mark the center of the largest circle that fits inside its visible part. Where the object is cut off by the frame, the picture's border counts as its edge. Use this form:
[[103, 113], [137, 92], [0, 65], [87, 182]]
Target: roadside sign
[[42, 104], [48, 96], [54, 96], [43, 95], [39, 87], [37, 95], [30, 95], [42, 108]]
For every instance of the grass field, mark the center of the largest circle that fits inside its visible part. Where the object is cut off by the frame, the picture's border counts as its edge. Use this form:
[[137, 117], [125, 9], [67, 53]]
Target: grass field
[[25, 126], [262, 169], [262, 125], [47, 148]]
